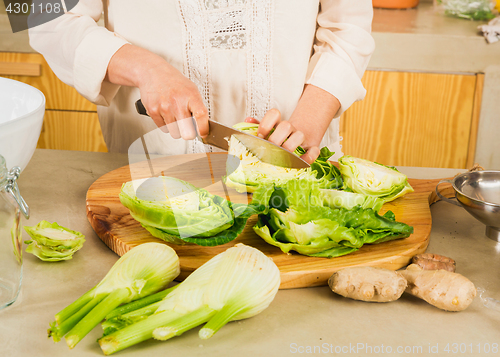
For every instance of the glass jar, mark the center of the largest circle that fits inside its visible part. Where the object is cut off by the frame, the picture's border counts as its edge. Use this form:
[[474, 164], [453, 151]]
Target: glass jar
[[11, 253]]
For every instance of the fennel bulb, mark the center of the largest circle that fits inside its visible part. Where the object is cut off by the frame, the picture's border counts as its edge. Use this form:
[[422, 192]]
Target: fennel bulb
[[236, 284], [140, 272]]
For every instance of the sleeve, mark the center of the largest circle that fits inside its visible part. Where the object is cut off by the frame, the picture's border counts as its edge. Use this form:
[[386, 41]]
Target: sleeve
[[342, 49], [78, 50]]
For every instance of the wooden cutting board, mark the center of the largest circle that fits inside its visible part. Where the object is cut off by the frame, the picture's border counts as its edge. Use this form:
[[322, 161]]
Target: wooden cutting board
[[115, 227]]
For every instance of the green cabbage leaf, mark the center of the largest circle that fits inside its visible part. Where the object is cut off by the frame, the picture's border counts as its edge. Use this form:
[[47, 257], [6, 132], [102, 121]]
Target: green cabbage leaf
[[180, 213], [297, 220], [349, 200]]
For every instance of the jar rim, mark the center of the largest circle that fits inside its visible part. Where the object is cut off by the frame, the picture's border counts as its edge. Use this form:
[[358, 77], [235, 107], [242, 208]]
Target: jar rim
[[3, 172]]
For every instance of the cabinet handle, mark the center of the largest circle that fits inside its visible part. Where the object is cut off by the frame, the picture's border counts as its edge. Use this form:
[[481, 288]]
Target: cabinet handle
[[20, 69]]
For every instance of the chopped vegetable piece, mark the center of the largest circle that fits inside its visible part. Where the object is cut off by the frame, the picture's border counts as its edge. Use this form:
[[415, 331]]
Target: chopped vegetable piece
[[51, 242]]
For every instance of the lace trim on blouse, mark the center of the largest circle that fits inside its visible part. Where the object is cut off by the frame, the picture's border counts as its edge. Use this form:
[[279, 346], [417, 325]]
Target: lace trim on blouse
[[229, 25]]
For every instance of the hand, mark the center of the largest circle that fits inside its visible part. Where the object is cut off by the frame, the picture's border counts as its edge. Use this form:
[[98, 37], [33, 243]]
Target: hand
[[166, 93], [284, 134], [169, 97]]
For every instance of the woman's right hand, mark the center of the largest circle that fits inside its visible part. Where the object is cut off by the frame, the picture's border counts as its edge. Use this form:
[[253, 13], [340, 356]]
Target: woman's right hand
[[166, 93]]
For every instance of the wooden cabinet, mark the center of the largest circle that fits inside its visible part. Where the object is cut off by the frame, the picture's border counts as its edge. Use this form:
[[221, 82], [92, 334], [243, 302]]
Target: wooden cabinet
[[70, 121], [415, 119], [71, 130]]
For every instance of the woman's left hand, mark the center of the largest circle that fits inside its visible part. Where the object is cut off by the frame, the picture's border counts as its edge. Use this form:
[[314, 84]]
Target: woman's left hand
[[285, 134]]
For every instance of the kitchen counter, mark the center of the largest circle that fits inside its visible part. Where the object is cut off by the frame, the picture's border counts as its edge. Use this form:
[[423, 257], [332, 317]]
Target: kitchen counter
[[422, 39], [311, 319]]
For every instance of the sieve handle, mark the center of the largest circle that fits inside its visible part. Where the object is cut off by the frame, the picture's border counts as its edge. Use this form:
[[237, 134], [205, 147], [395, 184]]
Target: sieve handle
[[446, 198]]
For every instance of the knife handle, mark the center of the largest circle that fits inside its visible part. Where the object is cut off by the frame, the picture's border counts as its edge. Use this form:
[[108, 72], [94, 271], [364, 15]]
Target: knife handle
[[141, 109]]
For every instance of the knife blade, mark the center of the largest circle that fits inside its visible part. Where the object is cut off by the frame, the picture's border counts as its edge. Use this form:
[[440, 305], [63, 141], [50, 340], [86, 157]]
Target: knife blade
[[219, 135]]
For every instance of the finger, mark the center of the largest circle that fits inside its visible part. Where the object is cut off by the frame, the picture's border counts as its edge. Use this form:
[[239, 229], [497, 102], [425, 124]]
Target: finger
[[294, 140], [187, 128], [154, 113], [174, 131], [251, 120], [311, 155], [282, 132], [200, 114], [184, 120], [268, 122], [164, 128], [168, 120]]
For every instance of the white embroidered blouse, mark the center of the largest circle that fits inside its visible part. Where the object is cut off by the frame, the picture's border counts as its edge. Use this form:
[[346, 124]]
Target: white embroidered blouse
[[245, 56]]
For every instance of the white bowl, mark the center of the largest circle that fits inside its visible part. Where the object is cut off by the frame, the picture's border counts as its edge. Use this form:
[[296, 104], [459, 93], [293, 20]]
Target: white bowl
[[21, 116]]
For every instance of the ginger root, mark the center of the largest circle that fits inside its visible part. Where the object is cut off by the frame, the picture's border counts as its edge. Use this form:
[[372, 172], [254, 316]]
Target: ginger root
[[368, 284], [444, 289], [428, 261]]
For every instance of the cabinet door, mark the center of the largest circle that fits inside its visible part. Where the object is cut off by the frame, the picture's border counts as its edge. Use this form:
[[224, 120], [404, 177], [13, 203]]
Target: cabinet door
[[64, 130], [413, 119], [70, 121], [58, 95]]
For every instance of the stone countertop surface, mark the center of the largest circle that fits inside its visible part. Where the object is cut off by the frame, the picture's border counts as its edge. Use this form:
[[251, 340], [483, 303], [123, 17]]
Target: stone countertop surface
[[299, 321]]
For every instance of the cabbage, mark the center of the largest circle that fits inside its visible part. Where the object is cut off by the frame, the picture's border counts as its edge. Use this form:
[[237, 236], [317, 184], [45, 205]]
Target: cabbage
[[249, 128], [348, 200], [178, 212], [51, 242], [252, 172], [297, 220], [176, 208], [373, 179]]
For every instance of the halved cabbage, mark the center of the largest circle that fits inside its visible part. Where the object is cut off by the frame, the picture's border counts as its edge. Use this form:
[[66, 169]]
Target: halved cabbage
[[370, 178], [179, 213], [252, 172]]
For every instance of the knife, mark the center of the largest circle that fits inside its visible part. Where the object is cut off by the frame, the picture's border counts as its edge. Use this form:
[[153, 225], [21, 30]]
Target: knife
[[219, 135]]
